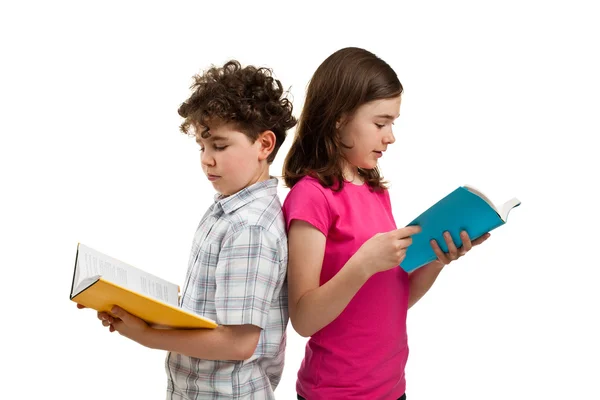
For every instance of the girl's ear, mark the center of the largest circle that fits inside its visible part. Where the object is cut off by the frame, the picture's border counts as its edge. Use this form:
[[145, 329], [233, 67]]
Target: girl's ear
[[340, 121], [266, 142]]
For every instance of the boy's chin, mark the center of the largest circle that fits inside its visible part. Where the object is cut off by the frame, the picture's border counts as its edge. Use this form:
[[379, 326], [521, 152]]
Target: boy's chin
[[223, 191], [227, 190], [219, 189]]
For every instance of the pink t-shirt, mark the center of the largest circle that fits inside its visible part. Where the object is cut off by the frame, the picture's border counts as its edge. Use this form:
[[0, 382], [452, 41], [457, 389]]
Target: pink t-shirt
[[362, 353]]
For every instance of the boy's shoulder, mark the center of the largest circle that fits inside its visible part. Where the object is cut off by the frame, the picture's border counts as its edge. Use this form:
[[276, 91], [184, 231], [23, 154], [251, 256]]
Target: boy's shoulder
[[257, 205]]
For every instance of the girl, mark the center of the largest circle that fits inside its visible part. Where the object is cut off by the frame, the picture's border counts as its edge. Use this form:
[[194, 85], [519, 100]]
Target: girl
[[346, 291]]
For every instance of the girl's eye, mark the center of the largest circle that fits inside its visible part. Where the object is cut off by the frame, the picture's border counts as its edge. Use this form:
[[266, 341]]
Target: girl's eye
[[201, 149], [220, 148], [380, 125]]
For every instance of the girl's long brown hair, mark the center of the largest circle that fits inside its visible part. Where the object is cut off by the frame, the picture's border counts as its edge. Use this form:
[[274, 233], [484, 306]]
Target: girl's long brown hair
[[347, 79]]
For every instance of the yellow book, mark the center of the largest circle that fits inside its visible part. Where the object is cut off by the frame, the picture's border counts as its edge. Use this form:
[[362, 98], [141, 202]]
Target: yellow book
[[101, 282]]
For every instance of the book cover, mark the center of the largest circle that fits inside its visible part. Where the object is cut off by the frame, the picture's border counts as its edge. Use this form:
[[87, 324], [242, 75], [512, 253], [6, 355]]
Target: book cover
[[465, 208]]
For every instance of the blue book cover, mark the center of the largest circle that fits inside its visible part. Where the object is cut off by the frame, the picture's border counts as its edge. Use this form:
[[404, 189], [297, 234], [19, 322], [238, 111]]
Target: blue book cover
[[465, 208]]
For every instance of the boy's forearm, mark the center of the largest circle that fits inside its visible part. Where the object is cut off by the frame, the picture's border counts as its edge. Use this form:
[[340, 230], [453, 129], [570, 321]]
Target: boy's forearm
[[222, 343], [320, 306], [421, 281]]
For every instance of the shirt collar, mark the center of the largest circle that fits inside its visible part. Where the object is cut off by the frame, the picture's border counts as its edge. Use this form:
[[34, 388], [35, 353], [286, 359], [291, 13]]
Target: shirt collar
[[260, 189]]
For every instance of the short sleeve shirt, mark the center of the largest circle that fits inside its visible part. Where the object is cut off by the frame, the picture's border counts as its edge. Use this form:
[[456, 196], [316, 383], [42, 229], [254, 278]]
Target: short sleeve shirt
[[237, 275]]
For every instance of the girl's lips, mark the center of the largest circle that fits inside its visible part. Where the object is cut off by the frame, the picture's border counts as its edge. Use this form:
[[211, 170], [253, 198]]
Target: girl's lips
[[212, 177]]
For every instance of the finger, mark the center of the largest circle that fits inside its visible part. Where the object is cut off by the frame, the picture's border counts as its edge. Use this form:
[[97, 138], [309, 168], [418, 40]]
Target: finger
[[466, 241], [80, 306], [103, 316], [117, 325], [404, 243], [452, 250], [407, 231], [438, 252], [402, 257], [122, 315], [481, 239], [106, 323], [111, 329]]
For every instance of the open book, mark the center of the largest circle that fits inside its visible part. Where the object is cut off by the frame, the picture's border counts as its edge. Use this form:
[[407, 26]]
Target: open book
[[101, 282], [465, 208]]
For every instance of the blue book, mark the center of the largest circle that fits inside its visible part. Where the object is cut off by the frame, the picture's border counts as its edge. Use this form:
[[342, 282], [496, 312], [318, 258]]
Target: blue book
[[466, 208]]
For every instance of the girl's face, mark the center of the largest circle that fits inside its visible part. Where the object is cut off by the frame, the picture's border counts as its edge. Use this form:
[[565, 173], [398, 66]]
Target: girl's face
[[368, 131]]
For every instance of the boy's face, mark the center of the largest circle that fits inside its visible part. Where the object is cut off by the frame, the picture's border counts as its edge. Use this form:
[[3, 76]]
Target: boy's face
[[230, 160]]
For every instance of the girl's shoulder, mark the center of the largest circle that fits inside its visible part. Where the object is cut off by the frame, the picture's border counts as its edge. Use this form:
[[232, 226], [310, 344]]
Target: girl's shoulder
[[311, 187], [307, 188]]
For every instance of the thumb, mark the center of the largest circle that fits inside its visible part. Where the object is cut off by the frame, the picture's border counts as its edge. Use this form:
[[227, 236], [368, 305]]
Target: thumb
[[120, 313], [408, 231]]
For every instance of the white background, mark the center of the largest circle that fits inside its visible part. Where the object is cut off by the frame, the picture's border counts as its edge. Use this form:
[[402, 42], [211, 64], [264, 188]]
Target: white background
[[502, 95]]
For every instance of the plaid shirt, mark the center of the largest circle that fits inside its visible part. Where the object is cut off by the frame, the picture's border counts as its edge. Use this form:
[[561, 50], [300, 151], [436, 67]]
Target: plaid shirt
[[237, 275]]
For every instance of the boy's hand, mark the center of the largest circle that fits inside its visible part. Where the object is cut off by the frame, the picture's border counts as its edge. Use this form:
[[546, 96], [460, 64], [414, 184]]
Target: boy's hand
[[453, 252], [126, 324]]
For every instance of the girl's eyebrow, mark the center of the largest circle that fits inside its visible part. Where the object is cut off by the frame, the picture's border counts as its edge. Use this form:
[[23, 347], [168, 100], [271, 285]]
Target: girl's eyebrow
[[387, 116]]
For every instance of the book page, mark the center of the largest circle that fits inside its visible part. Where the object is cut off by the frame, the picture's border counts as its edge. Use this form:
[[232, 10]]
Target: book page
[[92, 264], [503, 210], [482, 196], [81, 279], [508, 206]]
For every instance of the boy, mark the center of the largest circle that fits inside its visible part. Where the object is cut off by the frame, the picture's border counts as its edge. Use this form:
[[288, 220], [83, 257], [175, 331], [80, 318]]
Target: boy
[[237, 269]]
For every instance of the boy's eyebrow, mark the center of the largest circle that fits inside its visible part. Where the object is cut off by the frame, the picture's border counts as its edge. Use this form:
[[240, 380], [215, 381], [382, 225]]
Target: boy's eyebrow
[[212, 138], [218, 137]]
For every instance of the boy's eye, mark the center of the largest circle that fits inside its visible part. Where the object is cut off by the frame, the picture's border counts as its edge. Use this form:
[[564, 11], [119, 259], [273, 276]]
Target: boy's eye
[[220, 148], [380, 125]]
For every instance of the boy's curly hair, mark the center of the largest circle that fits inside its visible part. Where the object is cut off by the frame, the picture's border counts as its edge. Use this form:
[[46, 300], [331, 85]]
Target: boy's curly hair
[[249, 97]]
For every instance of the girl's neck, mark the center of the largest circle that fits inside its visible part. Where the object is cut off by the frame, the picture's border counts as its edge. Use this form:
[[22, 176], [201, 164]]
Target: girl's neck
[[351, 175]]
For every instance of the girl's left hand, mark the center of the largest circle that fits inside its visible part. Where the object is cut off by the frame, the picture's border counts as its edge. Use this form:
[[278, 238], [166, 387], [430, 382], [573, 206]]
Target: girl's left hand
[[453, 252]]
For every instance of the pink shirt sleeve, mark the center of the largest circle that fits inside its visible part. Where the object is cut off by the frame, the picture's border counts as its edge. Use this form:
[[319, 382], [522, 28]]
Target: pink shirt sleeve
[[306, 201]]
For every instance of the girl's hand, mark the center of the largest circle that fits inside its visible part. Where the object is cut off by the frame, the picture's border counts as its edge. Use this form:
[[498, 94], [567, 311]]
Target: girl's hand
[[385, 250], [455, 253]]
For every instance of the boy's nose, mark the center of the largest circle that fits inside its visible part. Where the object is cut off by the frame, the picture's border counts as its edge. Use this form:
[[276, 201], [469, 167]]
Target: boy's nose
[[207, 160]]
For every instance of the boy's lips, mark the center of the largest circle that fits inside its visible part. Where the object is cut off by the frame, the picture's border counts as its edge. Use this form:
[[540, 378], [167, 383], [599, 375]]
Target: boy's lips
[[378, 153], [212, 177]]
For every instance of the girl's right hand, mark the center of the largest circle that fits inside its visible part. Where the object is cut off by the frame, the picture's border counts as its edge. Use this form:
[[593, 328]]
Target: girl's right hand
[[385, 251]]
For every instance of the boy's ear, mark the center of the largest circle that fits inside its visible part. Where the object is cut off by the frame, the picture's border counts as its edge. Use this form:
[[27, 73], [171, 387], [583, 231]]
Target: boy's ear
[[266, 141]]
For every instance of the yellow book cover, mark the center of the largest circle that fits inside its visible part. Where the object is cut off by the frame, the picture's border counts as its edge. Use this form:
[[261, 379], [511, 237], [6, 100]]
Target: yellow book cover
[[100, 282]]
